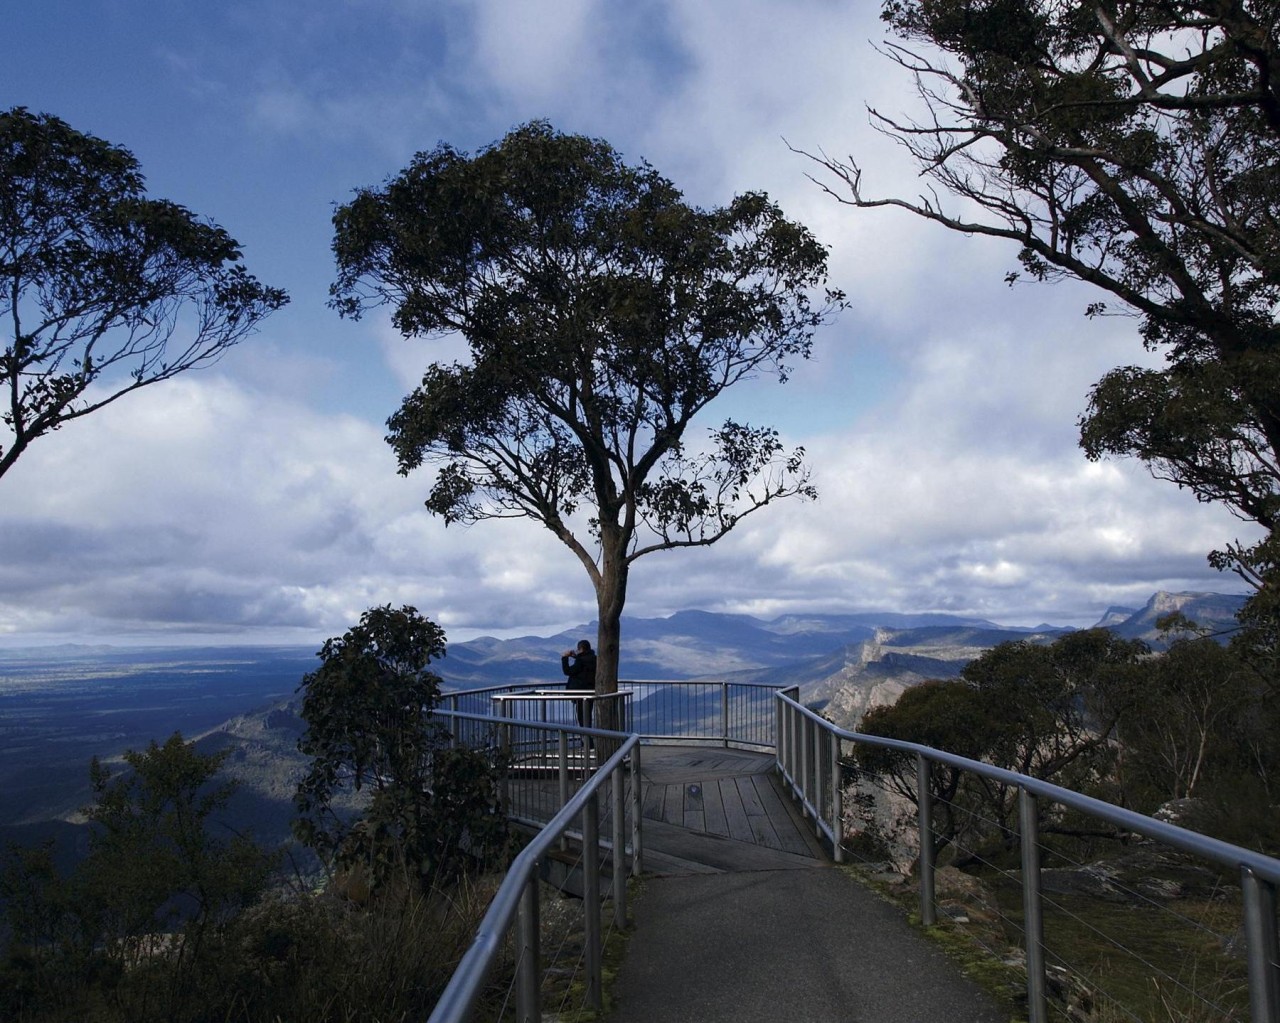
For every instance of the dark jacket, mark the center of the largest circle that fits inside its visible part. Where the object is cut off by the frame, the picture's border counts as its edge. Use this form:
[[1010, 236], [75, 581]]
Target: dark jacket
[[582, 672]]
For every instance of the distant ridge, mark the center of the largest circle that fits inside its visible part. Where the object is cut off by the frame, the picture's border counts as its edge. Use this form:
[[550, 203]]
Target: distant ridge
[[1213, 611], [68, 702]]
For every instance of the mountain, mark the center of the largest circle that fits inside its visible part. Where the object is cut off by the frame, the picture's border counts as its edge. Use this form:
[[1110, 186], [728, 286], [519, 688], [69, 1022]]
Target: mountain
[[690, 644], [60, 706], [1214, 611]]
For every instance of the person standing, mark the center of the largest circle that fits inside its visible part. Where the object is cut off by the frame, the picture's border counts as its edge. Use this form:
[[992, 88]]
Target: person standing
[[581, 674]]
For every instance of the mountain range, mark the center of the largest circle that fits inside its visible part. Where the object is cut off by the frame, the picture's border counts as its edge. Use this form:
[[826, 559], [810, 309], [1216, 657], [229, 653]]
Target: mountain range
[[55, 704]]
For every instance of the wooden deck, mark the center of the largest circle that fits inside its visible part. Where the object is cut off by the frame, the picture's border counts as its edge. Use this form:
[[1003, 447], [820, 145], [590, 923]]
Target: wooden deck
[[706, 809], [711, 810]]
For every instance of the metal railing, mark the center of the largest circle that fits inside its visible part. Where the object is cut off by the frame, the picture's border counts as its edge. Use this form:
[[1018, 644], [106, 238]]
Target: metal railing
[[726, 713], [810, 757], [567, 706], [515, 910]]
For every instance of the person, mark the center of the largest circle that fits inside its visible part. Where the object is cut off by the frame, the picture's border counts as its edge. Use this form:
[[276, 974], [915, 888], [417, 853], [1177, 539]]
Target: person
[[581, 674]]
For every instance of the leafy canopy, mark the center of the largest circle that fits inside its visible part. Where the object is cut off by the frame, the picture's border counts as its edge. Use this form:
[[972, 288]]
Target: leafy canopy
[[602, 313], [1133, 145], [368, 709], [102, 290]]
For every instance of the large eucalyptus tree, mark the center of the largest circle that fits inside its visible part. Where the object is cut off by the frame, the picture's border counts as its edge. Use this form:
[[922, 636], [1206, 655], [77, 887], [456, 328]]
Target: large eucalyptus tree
[[603, 313]]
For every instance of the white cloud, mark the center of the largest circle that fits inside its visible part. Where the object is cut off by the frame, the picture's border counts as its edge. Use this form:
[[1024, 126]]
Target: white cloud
[[938, 411]]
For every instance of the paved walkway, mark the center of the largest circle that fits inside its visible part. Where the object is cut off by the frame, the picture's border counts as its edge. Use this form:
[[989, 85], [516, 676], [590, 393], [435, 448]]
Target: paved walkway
[[797, 941]]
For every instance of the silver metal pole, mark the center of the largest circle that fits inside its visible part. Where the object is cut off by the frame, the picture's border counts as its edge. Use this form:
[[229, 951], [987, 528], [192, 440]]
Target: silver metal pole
[[779, 734], [1260, 934], [819, 786], [591, 900], [563, 771], [529, 956], [837, 801], [504, 793], [619, 847], [803, 780], [1033, 917], [637, 809], [924, 806]]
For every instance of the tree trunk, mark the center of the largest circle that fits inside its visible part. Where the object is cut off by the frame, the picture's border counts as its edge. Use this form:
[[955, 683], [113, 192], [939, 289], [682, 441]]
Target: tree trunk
[[611, 595]]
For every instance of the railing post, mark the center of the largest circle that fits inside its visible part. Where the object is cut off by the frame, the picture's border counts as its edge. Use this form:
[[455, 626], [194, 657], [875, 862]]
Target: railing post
[[528, 956], [619, 847], [924, 805], [724, 713], [819, 768], [1260, 935], [779, 732], [637, 808], [803, 780], [837, 801], [563, 772], [505, 740], [591, 900], [1032, 913]]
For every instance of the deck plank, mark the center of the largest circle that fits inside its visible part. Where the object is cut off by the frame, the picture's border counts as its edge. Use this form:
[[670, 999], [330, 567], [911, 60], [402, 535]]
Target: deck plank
[[761, 827], [694, 818], [673, 805], [735, 814], [654, 796], [714, 818], [789, 834]]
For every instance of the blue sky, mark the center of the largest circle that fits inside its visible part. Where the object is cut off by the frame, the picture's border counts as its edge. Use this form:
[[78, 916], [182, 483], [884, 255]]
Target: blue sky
[[257, 502]]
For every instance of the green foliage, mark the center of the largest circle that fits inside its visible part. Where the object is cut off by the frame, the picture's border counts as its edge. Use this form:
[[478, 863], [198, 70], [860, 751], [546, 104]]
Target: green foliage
[[96, 279], [1134, 146], [1098, 714], [1047, 710], [368, 708], [602, 314], [123, 936]]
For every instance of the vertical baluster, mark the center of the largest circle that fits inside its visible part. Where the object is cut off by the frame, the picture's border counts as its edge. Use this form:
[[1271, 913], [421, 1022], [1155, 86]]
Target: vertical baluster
[[924, 805], [779, 733], [562, 773], [837, 800], [591, 899], [619, 847], [802, 781], [1032, 912], [637, 808], [819, 778], [528, 956], [724, 713], [1260, 935]]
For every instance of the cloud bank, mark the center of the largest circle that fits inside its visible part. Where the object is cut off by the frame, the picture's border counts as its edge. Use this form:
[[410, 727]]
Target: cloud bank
[[258, 501]]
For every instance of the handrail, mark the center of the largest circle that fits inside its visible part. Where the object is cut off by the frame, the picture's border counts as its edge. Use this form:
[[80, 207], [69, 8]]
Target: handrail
[[517, 897], [811, 767]]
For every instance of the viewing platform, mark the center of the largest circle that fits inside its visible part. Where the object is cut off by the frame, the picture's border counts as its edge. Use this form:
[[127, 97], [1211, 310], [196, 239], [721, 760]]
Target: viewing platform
[[741, 909]]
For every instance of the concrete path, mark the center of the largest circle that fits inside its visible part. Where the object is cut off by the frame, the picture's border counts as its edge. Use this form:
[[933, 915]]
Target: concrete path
[[784, 945]]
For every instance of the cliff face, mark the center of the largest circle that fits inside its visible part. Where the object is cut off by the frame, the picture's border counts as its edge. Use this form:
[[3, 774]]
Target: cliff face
[[1214, 611]]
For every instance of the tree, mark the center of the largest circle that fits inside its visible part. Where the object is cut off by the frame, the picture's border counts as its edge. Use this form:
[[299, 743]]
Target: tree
[[602, 313], [945, 714], [154, 859], [103, 290], [368, 709], [1050, 711], [130, 926], [1133, 145], [1189, 723]]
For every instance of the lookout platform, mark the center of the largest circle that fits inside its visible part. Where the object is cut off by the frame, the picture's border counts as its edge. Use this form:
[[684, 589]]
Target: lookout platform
[[743, 916], [711, 810]]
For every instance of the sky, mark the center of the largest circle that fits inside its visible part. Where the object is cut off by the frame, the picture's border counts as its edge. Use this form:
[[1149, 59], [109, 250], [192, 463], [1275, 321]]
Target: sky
[[257, 502]]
